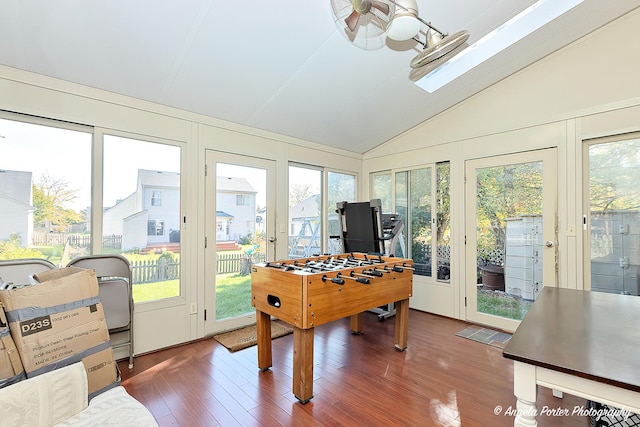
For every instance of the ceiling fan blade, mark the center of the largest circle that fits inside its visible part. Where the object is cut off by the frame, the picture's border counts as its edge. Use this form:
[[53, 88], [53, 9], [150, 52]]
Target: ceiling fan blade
[[352, 21], [382, 7]]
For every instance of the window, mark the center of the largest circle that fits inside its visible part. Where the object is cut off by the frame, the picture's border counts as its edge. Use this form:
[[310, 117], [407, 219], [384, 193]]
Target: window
[[307, 215], [614, 214], [381, 189], [305, 201], [155, 228], [341, 187], [45, 200], [148, 238], [421, 198], [45, 194], [242, 200], [156, 198]]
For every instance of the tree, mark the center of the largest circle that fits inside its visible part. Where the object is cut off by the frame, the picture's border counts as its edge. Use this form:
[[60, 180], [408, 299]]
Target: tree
[[298, 192], [614, 176], [50, 198], [506, 192]]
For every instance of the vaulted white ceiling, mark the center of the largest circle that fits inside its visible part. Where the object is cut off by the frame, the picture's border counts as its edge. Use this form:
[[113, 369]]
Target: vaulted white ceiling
[[280, 65]]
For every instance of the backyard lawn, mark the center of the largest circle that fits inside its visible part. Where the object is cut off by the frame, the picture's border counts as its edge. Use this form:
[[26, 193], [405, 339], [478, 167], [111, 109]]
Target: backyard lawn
[[501, 304]]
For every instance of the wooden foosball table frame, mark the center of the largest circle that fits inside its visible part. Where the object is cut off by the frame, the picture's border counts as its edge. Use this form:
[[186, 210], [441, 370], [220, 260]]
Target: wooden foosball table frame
[[309, 292]]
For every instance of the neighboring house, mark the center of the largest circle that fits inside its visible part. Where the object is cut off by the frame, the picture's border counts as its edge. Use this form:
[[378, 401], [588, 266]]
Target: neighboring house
[[236, 199], [151, 215], [16, 210], [223, 226]]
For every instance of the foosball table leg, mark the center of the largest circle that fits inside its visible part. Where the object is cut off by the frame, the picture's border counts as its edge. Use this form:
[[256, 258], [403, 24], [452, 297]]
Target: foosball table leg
[[263, 335], [356, 324], [303, 364], [402, 324]]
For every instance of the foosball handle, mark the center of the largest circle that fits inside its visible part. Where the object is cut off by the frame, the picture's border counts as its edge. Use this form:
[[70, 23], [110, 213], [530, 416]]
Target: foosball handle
[[336, 280], [373, 272]]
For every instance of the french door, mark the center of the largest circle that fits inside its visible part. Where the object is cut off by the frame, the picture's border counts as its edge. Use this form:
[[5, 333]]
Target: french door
[[240, 225], [510, 235]]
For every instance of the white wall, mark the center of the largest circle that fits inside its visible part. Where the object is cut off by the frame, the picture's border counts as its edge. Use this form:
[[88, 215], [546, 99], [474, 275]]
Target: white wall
[[587, 89]]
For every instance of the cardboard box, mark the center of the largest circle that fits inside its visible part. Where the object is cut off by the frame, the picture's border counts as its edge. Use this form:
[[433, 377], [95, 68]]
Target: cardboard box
[[61, 321], [11, 370]]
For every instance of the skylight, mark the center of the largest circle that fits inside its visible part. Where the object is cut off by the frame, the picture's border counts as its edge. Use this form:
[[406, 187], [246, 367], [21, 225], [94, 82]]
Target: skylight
[[518, 27]]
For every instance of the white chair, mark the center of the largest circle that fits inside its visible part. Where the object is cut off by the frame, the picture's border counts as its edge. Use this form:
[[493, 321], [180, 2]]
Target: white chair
[[17, 271], [115, 286]]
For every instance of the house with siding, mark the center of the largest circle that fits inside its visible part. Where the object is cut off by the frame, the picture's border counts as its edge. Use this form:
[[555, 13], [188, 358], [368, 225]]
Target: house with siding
[[16, 209], [150, 216]]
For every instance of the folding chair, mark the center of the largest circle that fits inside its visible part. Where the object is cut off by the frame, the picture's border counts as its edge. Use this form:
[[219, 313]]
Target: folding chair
[[17, 271], [115, 286]]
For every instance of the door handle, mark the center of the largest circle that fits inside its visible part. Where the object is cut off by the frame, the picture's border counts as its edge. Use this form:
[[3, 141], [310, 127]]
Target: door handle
[[550, 243], [272, 239]]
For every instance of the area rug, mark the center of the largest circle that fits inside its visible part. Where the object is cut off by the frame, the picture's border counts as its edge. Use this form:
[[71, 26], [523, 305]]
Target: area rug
[[246, 337], [485, 336]]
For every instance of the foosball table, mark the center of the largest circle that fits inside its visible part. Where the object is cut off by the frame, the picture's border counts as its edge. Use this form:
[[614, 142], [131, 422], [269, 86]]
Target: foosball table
[[308, 292]]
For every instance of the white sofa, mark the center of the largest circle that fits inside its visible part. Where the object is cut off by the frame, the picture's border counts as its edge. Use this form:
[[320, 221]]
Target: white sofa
[[59, 398]]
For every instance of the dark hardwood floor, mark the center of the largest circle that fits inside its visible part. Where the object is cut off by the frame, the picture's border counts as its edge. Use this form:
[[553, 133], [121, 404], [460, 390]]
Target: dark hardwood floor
[[440, 380]]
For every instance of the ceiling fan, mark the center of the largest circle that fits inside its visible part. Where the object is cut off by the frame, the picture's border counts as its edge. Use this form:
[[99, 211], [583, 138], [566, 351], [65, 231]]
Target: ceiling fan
[[363, 22], [367, 24]]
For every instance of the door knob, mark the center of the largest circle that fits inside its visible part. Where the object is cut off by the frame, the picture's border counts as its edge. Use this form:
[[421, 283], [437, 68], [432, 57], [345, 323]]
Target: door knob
[[549, 243]]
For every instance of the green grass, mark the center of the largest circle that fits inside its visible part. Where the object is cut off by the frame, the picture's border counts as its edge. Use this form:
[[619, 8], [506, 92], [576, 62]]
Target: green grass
[[157, 290], [502, 305], [233, 295]]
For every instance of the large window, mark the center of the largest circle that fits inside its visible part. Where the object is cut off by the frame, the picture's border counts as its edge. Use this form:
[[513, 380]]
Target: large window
[[420, 197], [45, 190], [141, 213], [46, 180], [305, 208]]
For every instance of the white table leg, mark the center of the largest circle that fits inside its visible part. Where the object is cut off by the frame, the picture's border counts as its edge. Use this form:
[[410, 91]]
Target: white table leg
[[524, 388]]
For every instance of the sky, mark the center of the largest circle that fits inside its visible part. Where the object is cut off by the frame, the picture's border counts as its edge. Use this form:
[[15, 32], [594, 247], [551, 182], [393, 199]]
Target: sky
[[41, 150]]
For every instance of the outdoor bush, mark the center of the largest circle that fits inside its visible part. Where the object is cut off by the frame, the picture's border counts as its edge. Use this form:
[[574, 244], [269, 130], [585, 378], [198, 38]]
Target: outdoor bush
[[12, 249]]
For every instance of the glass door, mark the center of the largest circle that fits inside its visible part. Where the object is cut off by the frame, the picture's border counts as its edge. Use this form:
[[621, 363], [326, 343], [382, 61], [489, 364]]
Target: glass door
[[613, 219], [510, 235], [239, 232]]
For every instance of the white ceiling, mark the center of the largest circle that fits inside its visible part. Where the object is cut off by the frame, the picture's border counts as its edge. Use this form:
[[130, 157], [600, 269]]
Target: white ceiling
[[278, 65]]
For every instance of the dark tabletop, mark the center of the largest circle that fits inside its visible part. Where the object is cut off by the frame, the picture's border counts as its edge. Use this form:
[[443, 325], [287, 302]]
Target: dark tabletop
[[593, 335]]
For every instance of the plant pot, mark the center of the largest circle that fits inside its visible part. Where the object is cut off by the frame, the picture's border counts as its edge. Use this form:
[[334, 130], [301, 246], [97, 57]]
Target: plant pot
[[493, 278]]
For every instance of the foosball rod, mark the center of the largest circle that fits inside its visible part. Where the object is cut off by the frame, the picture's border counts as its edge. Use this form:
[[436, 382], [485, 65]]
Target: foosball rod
[[288, 267], [369, 276], [362, 280]]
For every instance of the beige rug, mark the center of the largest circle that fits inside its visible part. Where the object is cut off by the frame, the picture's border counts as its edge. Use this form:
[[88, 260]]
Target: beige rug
[[247, 337]]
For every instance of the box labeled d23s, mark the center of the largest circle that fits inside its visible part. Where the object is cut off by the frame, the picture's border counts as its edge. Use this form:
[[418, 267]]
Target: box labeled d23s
[[60, 321], [11, 370]]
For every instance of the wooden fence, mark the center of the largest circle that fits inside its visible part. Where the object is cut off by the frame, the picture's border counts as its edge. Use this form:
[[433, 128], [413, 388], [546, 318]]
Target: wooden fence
[[81, 240], [231, 263], [160, 270]]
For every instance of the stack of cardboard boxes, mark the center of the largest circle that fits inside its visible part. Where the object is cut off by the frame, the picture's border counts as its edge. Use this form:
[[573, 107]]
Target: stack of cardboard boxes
[[54, 323]]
